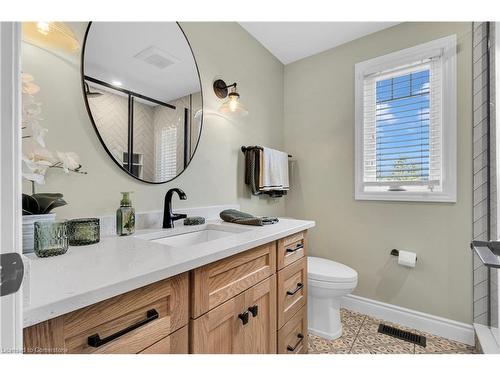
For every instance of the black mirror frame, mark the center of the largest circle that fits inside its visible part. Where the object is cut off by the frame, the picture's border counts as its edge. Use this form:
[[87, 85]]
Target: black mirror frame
[[89, 112]]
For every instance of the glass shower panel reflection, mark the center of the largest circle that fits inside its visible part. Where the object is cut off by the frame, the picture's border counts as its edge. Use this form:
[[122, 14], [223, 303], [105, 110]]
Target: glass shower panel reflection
[[110, 109]]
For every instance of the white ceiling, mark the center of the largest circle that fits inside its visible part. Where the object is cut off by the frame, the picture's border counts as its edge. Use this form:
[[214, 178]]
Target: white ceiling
[[110, 51], [292, 41]]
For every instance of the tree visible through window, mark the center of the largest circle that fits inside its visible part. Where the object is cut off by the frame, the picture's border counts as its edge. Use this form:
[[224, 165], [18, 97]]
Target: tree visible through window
[[402, 127]]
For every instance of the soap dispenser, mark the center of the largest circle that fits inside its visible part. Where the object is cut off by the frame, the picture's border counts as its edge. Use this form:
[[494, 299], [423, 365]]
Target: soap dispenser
[[125, 216]]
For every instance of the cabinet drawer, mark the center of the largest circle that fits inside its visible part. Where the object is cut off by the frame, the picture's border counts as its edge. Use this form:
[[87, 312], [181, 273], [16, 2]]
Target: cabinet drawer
[[291, 248], [218, 282], [292, 338], [292, 290], [176, 343], [128, 323]]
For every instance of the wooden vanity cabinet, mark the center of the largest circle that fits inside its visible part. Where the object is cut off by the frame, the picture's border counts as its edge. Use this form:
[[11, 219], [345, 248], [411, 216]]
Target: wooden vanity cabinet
[[224, 293], [252, 302]]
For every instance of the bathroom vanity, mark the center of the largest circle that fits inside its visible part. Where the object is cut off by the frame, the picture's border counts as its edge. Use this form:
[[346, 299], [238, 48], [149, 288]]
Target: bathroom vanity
[[217, 288]]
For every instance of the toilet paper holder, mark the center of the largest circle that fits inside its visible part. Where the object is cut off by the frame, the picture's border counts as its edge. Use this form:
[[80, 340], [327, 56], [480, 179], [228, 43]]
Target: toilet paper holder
[[395, 252]]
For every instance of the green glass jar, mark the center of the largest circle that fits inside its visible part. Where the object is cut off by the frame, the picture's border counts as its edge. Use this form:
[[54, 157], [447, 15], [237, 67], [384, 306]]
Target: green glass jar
[[125, 216], [51, 238], [83, 231]]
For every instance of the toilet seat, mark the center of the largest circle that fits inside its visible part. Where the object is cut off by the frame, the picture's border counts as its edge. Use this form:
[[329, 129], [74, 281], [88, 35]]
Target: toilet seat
[[328, 271], [334, 286]]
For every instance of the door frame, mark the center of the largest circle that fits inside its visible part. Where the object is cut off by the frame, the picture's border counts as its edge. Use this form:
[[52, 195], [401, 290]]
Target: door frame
[[11, 317]]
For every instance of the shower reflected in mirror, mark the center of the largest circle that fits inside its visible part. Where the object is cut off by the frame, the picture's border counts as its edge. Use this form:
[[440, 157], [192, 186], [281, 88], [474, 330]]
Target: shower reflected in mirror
[[143, 94]]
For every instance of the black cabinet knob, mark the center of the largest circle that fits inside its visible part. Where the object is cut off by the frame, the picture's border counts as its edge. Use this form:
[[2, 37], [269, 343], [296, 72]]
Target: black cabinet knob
[[254, 310], [244, 317]]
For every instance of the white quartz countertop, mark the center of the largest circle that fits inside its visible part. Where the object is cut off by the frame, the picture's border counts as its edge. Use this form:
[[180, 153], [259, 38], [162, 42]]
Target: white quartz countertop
[[89, 274]]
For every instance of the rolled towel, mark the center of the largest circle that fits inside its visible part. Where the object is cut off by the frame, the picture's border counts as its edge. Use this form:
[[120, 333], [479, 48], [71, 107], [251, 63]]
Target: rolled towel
[[238, 217]]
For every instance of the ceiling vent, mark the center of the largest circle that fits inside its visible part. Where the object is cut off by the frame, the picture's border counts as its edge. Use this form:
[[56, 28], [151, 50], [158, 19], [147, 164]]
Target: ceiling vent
[[157, 57]]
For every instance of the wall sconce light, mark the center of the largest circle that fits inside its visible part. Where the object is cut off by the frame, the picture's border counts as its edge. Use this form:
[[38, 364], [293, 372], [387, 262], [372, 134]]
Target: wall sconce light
[[232, 105]]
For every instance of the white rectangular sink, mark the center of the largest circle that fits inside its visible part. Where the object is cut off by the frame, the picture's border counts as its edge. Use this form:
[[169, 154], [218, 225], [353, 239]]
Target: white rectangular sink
[[199, 234]]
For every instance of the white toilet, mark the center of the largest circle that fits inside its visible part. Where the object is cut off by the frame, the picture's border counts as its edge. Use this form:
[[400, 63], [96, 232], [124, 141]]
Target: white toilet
[[328, 282]]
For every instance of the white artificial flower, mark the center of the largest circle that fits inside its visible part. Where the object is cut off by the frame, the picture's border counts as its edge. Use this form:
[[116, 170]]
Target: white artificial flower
[[38, 132], [69, 160], [32, 110], [37, 162], [30, 88], [38, 178], [25, 77]]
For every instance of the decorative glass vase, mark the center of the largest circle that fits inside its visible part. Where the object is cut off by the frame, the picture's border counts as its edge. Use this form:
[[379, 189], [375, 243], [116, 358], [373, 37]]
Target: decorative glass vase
[[29, 229], [83, 231], [51, 238]]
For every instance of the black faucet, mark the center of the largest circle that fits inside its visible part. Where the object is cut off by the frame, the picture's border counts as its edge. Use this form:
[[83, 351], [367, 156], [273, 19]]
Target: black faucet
[[168, 216]]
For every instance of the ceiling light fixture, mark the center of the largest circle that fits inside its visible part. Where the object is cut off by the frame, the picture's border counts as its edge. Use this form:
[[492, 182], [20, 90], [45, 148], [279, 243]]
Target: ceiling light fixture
[[51, 35], [116, 83], [43, 27], [232, 105]]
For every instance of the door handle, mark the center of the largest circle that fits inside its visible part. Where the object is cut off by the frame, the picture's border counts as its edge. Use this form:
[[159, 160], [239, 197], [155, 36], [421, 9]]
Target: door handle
[[11, 273], [95, 341], [254, 310], [292, 292], [244, 317], [297, 247], [290, 348]]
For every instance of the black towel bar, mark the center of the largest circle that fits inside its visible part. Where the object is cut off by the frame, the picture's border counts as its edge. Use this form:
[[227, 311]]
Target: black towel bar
[[244, 148]]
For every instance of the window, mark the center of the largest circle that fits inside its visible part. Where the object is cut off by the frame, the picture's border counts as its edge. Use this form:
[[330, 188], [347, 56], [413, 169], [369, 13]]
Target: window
[[166, 153], [406, 124]]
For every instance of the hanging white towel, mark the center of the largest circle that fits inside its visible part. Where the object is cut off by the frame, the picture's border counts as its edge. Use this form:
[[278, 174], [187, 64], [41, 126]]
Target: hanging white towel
[[274, 170]]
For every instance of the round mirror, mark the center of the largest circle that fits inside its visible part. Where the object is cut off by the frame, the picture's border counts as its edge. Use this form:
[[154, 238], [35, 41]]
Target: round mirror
[[143, 94]]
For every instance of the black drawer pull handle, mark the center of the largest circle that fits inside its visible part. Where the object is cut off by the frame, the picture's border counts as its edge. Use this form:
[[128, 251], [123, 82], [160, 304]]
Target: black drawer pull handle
[[244, 317], [292, 348], [292, 292], [297, 247], [254, 310], [95, 341]]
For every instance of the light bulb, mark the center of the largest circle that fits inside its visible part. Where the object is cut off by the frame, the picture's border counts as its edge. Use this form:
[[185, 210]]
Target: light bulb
[[233, 103], [43, 27]]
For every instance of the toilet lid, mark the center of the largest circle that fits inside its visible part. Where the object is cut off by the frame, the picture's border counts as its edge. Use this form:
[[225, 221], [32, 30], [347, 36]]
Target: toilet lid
[[327, 270]]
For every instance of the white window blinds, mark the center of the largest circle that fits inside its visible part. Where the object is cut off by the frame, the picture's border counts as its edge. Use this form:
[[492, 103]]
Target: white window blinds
[[402, 127], [406, 124], [166, 153]]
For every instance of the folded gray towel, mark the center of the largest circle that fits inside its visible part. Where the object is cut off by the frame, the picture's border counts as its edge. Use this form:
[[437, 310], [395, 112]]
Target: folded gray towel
[[238, 217]]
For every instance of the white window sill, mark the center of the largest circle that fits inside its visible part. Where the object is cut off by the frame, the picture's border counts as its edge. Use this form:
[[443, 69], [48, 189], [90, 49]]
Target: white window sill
[[405, 196]]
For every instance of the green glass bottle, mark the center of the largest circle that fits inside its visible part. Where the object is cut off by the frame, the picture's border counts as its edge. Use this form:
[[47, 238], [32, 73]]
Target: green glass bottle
[[125, 216]]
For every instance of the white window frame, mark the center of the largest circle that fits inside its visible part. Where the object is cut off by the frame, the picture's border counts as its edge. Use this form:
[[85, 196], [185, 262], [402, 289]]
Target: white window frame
[[447, 48]]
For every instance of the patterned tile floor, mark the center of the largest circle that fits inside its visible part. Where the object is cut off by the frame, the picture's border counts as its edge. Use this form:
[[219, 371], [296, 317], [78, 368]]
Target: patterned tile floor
[[360, 336]]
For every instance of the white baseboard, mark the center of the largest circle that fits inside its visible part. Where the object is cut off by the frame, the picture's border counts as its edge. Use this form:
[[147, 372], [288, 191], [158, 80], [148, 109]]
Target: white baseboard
[[486, 340], [432, 324]]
